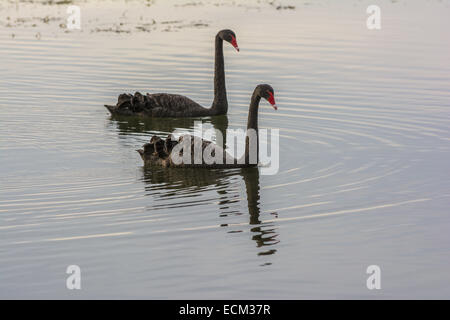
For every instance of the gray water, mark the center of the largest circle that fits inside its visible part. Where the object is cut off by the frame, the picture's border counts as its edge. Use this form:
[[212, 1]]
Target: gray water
[[364, 152]]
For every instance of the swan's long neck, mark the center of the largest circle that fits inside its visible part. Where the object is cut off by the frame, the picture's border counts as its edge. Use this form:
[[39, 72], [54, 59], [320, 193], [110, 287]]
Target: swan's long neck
[[220, 104], [251, 138]]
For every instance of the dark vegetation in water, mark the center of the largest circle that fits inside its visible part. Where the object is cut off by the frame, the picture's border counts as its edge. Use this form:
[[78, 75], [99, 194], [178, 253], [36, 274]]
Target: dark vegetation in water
[[44, 2], [60, 2], [29, 22]]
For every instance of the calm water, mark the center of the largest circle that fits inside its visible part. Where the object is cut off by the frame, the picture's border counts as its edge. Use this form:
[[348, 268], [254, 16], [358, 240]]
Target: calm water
[[364, 152]]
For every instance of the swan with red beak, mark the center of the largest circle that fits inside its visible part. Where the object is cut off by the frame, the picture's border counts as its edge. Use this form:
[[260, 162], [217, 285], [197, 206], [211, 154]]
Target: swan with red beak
[[167, 105], [170, 152]]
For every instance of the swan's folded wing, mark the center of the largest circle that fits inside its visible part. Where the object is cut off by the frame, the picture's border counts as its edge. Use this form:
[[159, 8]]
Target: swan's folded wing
[[173, 105]]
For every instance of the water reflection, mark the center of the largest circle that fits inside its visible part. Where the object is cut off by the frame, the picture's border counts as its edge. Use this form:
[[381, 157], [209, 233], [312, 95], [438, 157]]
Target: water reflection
[[187, 181], [263, 233], [168, 183], [130, 124]]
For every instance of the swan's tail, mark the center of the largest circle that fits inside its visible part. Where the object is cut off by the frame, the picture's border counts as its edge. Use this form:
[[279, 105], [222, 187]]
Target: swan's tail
[[130, 104], [111, 109], [158, 147]]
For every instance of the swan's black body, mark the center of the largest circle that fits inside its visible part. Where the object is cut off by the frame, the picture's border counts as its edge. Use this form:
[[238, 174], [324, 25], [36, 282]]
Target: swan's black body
[[161, 105], [159, 151]]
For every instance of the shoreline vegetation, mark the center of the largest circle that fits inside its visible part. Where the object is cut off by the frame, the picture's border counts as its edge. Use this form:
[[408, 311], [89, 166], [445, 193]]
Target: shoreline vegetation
[[49, 17]]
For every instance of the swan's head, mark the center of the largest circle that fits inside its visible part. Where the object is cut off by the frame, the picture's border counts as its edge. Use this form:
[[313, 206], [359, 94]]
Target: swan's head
[[266, 91], [228, 36]]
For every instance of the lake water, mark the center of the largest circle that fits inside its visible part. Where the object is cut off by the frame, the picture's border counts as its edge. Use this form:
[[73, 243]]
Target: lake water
[[364, 151]]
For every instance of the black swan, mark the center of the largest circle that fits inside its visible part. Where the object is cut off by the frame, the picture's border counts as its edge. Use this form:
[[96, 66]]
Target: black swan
[[162, 152], [161, 105]]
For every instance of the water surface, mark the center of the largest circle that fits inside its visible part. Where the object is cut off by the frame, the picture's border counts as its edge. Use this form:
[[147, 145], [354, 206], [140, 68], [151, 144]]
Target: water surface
[[364, 147]]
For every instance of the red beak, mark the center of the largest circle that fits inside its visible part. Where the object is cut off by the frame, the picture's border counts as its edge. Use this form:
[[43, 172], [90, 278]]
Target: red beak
[[234, 43], [272, 100]]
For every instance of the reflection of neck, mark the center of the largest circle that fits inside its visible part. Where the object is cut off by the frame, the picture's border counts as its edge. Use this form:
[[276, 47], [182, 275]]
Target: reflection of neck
[[252, 125], [221, 123], [220, 104], [251, 178]]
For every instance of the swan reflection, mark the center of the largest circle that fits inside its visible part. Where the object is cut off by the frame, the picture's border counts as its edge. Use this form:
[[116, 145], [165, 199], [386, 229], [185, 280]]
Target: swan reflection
[[130, 125], [263, 233], [133, 124], [168, 183]]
